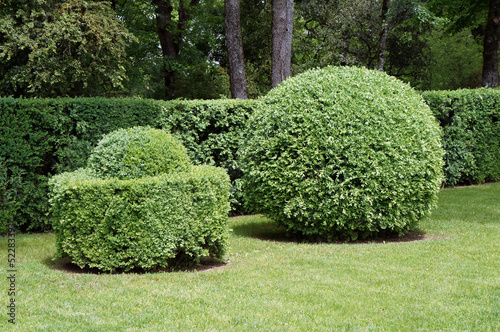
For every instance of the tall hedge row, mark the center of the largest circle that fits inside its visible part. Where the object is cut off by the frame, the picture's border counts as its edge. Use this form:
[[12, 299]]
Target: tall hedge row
[[471, 127], [211, 131], [147, 223], [43, 137]]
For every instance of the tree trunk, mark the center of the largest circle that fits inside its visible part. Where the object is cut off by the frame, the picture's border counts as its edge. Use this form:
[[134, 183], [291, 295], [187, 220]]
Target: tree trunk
[[170, 37], [169, 48], [282, 30], [382, 36], [491, 43], [184, 15], [234, 43]]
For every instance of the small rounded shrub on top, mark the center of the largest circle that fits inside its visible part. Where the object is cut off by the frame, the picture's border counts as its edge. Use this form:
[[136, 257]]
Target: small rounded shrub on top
[[342, 153], [138, 152]]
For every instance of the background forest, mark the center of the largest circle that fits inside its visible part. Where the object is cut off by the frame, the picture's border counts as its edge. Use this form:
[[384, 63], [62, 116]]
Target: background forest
[[168, 49]]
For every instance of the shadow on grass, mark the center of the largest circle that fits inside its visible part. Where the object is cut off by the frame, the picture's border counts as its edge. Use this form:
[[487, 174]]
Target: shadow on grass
[[269, 231], [65, 265]]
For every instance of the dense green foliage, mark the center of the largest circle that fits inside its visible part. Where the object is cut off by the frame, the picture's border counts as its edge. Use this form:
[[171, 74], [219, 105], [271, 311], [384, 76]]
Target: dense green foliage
[[142, 218], [195, 47], [212, 132], [470, 120], [138, 152], [58, 48], [448, 69], [43, 137], [22, 152], [142, 223], [99, 48], [460, 13], [356, 153], [346, 32]]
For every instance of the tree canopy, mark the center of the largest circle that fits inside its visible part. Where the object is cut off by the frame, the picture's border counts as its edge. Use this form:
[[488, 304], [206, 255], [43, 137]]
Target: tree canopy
[[483, 17], [168, 49], [52, 48]]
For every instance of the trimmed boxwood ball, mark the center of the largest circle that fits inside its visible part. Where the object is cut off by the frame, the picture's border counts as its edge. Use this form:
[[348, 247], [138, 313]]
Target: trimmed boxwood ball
[[137, 152], [147, 208], [342, 153]]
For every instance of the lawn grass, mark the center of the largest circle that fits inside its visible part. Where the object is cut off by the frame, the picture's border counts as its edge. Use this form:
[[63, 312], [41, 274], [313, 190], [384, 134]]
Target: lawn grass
[[449, 280]]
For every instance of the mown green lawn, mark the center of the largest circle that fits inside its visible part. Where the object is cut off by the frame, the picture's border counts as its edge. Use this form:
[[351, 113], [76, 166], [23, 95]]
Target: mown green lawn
[[447, 280]]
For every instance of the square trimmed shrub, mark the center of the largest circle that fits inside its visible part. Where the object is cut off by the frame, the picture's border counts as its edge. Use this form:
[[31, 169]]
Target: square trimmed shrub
[[144, 223]]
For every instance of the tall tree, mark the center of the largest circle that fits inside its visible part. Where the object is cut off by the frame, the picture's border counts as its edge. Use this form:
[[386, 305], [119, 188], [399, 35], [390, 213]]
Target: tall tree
[[256, 21], [234, 42], [170, 34], [59, 48], [181, 48], [341, 33], [467, 14], [490, 45], [282, 31], [337, 32], [382, 41], [407, 53]]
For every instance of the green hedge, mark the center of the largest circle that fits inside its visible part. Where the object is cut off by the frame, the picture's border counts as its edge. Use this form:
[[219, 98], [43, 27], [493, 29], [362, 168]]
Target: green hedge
[[146, 223], [470, 121], [212, 132], [43, 137]]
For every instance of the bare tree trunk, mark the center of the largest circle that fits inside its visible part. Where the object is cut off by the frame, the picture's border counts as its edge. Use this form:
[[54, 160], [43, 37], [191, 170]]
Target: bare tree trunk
[[169, 48], [288, 38], [234, 43], [382, 41], [170, 37], [282, 30], [491, 43]]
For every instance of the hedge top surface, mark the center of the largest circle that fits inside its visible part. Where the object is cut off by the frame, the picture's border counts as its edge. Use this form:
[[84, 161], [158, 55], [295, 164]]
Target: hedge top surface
[[343, 151], [138, 152]]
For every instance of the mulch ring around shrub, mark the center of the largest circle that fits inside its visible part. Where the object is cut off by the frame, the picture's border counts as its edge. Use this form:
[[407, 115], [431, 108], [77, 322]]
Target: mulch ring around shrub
[[269, 231], [65, 265]]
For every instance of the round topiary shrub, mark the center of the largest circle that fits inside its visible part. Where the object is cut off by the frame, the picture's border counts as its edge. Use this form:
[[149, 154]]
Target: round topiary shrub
[[138, 152], [147, 208], [342, 153]]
